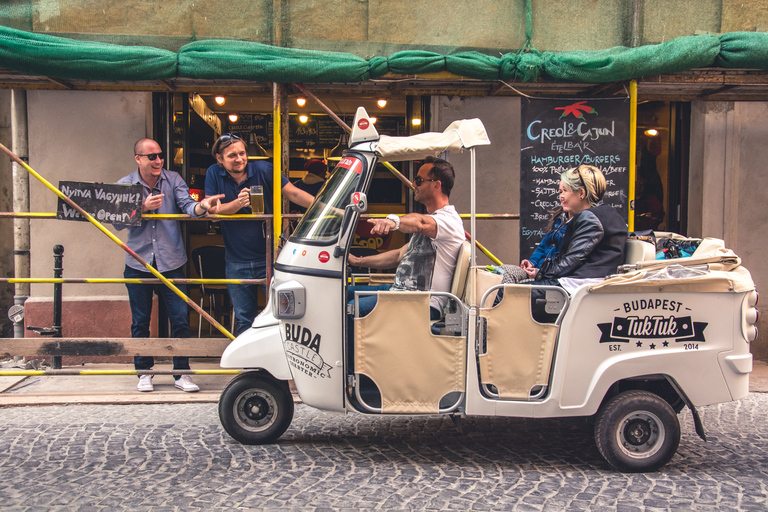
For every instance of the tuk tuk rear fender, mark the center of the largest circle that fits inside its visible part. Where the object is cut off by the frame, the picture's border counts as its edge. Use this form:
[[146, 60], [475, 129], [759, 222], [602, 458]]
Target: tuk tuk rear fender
[[259, 348]]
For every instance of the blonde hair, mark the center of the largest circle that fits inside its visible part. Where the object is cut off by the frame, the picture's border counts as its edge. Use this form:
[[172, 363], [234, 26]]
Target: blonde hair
[[588, 178]]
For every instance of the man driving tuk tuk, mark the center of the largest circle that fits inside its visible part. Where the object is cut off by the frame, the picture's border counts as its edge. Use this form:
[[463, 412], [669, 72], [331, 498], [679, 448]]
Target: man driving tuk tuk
[[428, 261]]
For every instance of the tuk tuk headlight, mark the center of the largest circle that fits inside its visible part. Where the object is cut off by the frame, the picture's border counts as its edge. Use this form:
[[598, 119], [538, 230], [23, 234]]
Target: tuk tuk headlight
[[289, 300]]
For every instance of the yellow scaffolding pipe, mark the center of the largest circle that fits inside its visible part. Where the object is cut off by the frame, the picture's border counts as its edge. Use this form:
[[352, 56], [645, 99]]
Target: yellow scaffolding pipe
[[632, 152]]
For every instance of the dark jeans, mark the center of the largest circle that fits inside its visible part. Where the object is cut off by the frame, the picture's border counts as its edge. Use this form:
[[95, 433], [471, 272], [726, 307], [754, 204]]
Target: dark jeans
[[244, 297], [140, 299]]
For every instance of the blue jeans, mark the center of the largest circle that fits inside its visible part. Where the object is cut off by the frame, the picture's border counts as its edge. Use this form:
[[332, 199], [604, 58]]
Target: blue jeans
[[140, 299], [244, 297]]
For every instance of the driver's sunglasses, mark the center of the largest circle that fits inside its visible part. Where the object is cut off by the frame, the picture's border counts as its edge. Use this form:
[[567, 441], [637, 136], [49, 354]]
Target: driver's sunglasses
[[154, 156], [419, 180]]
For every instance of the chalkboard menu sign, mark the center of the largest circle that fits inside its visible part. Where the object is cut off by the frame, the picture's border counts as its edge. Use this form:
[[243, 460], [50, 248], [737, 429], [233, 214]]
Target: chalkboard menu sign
[[559, 134], [111, 203]]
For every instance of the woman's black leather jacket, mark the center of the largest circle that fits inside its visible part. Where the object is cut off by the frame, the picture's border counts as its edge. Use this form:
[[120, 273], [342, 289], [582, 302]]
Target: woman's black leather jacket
[[593, 246]]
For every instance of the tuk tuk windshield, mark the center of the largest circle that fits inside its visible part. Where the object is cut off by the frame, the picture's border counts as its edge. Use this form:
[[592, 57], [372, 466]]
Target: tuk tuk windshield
[[322, 221]]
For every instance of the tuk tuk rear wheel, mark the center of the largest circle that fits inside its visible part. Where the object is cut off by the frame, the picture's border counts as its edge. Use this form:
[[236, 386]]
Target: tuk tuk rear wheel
[[255, 409], [637, 431]]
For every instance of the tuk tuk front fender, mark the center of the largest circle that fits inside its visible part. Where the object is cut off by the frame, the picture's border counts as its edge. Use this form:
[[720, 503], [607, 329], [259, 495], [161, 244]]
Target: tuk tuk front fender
[[258, 347]]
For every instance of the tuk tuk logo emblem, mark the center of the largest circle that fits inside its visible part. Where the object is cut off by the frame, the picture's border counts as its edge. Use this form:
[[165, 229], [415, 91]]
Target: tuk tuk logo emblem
[[303, 351], [682, 329], [324, 257]]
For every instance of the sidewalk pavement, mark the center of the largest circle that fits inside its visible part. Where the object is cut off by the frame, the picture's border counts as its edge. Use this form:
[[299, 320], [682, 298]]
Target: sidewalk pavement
[[121, 389], [105, 389]]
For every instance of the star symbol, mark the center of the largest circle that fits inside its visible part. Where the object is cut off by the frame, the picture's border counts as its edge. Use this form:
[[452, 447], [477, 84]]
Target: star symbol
[[639, 343], [666, 343], [653, 346]]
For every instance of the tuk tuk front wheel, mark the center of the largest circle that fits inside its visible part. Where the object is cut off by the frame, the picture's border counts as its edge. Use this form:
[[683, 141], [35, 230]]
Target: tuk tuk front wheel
[[637, 431], [255, 409]]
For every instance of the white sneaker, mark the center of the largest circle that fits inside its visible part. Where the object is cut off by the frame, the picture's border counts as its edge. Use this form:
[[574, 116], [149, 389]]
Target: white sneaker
[[145, 383], [185, 383]]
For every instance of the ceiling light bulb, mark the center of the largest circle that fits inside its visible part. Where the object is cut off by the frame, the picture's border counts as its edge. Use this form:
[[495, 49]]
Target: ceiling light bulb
[[416, 122], [303, 118], [651, 132], [382, 103], [301, 101], [373, 120], [232, 118], [220, 100]]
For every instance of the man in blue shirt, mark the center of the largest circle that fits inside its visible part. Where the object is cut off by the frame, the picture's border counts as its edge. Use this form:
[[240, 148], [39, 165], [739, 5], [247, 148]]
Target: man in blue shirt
[[159, 242], [244, 240]]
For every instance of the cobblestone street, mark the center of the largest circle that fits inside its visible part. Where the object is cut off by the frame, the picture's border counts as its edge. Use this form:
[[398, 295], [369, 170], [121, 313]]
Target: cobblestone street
[[177, 457]]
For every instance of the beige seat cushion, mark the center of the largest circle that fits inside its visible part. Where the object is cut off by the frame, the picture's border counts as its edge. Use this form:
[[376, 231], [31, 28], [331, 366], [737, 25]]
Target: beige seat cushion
[[412, 367], [519, 349]]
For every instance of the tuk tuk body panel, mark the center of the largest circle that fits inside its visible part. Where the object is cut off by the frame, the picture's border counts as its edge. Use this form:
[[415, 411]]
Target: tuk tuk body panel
[[258, 348], [313, 343], [605, 338]]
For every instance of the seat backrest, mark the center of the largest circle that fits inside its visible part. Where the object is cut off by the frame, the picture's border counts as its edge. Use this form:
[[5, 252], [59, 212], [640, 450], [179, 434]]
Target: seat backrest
[[459, 281], [209, 261], [636, 251]]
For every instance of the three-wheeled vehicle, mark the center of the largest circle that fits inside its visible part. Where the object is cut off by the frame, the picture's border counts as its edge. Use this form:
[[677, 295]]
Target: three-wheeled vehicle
[[630, 351]]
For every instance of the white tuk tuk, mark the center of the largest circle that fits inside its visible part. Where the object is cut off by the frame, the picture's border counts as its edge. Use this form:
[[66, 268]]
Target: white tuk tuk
[[630, 351]]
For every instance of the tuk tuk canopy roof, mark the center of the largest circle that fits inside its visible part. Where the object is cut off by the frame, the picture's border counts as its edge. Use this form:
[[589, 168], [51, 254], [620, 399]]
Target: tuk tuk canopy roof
[[64, 58], [465, 133]]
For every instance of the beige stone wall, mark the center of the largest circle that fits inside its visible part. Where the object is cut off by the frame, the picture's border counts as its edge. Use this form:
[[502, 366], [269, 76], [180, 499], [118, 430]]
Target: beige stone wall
[[498, 170], [726, 187], [80, 136], [380, 27]]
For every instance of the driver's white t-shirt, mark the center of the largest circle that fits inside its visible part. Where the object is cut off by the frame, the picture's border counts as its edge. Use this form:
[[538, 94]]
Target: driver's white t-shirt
[[428, 264]]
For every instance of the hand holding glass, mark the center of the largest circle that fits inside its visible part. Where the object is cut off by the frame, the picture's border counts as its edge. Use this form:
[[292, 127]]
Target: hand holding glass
[[257, 199]]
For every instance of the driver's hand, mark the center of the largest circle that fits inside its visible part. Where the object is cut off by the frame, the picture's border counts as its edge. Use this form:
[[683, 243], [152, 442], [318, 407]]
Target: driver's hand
[[381, 226], [355, 261]]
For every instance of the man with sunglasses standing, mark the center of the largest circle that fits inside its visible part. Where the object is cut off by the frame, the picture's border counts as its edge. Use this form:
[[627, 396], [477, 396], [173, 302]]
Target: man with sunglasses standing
[[159, 242], [244, 241], [428, 261]]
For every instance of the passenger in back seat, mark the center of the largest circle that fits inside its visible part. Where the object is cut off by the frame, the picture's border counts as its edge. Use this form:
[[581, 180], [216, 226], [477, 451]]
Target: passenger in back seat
[[593, 245], [548, 248]]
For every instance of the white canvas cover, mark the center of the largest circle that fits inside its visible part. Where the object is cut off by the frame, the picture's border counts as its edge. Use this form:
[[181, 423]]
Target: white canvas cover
[[720, 271], [465, 133]]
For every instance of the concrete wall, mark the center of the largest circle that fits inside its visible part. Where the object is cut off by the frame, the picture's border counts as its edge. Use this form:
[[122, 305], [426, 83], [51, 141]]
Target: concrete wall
[[498, 169], [80, 136], [727, 195]]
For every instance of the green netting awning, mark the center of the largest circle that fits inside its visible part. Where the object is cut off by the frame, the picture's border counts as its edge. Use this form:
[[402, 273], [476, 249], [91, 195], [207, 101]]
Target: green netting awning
[[60, 57], [64, 58]]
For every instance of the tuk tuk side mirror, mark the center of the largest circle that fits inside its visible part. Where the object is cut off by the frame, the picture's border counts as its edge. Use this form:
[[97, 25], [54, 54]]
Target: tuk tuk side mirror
[[359, 202]]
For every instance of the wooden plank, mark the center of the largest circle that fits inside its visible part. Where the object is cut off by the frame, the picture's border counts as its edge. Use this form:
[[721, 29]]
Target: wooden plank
[[188, 347]]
